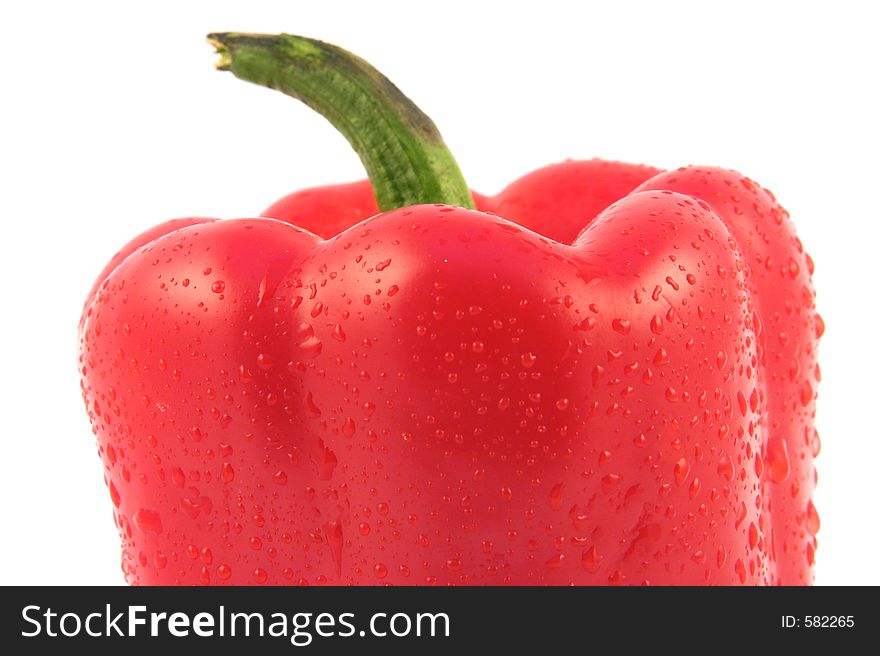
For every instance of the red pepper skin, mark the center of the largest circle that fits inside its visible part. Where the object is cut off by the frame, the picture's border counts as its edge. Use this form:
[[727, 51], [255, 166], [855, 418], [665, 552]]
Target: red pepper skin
[[556, 201], [142, 239], [440, 396], [326, 211], [788, 330]]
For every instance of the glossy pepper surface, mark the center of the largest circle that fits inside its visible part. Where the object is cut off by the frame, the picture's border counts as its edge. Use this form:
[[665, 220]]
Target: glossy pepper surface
[[606, 374]]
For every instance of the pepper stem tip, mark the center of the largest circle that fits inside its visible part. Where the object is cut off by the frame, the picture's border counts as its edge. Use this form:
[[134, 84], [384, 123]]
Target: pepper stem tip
[[217, 39]]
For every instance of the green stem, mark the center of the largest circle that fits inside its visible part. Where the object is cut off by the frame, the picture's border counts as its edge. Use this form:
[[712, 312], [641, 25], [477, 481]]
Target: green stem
[[400, 147]]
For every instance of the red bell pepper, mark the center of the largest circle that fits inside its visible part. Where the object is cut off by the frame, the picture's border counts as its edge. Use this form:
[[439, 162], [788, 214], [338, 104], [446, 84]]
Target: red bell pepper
[[607, 375]]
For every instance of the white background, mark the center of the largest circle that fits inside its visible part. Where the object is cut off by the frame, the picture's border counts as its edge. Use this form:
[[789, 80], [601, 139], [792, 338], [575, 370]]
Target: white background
[[112, 119]]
